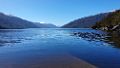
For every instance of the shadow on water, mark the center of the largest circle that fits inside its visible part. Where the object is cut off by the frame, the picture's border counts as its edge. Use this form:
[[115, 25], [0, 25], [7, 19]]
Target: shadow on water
[[110, 37]]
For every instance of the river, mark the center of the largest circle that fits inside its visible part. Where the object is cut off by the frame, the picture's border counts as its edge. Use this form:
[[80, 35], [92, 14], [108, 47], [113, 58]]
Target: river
[[36, 45]]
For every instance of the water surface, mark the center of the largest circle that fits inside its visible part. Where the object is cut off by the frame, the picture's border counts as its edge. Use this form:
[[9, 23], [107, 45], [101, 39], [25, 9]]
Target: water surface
[[25, 46]]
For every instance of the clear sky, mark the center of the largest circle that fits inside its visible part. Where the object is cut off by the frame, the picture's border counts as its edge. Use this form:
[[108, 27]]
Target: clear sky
[[58, 12]]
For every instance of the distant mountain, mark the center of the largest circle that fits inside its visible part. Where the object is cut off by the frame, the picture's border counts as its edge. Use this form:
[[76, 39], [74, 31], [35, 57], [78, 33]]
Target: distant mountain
[[13, 22], [111, 22], [45, 25], [86, 22]]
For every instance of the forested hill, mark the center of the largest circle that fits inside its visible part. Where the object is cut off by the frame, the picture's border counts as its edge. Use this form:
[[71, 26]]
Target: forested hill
[[111, 22], [86, 22]]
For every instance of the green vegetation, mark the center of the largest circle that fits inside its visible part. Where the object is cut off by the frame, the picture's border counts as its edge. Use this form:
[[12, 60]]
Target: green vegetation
[[111, 22]]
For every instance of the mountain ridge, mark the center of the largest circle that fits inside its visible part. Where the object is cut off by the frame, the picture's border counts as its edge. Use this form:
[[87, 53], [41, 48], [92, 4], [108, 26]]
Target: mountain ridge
[[14, 22], [85, 22]]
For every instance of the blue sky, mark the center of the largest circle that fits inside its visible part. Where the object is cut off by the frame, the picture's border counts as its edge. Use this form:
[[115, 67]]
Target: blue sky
[[58, 12]]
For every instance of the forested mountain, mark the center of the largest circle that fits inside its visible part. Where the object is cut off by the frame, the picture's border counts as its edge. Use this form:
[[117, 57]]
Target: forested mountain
[[13, 22], [111, 22], [86, 22]]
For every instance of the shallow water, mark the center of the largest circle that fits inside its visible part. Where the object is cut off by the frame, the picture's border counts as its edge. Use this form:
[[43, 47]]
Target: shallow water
[[24, 46]]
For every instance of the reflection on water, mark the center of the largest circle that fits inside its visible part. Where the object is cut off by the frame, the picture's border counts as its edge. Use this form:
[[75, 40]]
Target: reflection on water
[[115, 37], [110, 37], [93, 46], [90, 36]]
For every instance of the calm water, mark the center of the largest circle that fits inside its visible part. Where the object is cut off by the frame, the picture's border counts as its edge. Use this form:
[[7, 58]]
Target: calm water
[[23, 45]]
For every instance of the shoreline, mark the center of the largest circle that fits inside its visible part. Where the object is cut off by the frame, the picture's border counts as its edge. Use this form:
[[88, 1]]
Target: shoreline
[[52, 62]]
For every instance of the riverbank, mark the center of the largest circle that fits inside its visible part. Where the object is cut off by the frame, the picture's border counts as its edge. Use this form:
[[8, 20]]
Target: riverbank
[[61, 61]]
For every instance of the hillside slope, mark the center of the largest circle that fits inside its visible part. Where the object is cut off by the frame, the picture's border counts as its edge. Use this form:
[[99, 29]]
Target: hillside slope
[[111, 22], [86, 22], [13, 22]]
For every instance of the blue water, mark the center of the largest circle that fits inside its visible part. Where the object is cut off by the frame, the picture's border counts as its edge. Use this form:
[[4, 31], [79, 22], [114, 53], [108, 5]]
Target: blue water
[[18, 45]]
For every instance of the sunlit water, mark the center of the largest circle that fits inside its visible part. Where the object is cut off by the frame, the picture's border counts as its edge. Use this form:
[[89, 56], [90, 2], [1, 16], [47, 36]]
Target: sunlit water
[[23, 45]]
